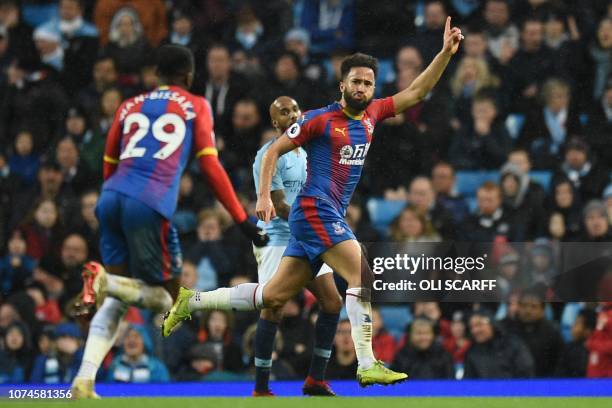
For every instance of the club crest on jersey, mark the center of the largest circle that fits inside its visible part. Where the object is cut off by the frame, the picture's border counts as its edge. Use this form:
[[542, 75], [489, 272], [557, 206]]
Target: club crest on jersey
[[338, 228], [369, 126], [354, 155]]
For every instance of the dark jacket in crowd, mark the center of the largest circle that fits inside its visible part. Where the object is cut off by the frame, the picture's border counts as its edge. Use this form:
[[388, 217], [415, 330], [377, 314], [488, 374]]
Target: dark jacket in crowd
[[573, 361], [428, 364], [503, 356]]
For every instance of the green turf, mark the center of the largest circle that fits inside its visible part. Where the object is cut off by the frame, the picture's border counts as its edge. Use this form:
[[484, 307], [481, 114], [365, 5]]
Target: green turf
[[322, 403]]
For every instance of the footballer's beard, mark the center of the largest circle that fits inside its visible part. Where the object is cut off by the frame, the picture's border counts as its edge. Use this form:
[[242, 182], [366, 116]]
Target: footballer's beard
[[355, 104]]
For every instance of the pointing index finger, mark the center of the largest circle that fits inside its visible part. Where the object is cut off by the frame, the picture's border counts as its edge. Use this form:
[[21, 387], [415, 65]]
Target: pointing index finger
[[448, 24]]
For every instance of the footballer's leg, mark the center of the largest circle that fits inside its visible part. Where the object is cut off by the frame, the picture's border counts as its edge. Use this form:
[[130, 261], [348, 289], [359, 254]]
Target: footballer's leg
[[292, 275], [346, 259], [268, 259], [330, 302]]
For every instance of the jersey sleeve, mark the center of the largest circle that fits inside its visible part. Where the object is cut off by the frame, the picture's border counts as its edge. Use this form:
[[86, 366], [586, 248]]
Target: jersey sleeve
[[204, 135], [310, 126], [381, 109], [112, 148]]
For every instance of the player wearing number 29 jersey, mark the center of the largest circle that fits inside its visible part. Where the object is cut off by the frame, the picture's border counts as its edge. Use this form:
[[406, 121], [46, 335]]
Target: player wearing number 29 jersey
[[151, 141], [148, 146]]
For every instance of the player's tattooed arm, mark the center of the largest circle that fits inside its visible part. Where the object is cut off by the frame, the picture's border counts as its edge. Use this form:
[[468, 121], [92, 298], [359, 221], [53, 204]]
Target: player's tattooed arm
[[420, 87], [265, 207], [280, 205]]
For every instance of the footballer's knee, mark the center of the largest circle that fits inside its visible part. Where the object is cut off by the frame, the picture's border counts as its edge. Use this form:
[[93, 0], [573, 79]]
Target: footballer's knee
[[332, 304], [274, 300]]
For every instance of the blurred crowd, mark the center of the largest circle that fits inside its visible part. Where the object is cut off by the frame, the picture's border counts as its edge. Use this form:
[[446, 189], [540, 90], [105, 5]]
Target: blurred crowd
[[530, 90]]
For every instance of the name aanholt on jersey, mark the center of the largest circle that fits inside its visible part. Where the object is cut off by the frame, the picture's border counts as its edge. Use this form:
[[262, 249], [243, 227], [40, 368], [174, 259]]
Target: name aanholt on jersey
[[181, 100]]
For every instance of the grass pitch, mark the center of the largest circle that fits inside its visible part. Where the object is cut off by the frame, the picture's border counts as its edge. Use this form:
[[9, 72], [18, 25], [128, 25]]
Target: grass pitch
[[320, 402]]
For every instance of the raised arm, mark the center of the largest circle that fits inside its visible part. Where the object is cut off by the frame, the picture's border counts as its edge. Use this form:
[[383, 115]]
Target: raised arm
[[424, 83], [265, 206]]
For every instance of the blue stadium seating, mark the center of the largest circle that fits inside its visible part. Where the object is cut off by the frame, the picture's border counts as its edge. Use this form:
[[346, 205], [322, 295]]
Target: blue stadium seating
[[382, 212], [396, 318]]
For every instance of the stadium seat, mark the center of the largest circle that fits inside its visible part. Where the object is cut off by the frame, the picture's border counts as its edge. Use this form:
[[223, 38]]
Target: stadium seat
[[382, 212], [396, 319], [468, 181], [37, 14], [544, 177]]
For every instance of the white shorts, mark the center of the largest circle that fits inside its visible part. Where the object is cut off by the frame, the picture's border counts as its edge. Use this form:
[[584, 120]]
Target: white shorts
[[268, 258]]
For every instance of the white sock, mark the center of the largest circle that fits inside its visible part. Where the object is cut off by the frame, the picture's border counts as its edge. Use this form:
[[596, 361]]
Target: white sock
[[102, 335], [246, 296], [360, 315], [137, 293]]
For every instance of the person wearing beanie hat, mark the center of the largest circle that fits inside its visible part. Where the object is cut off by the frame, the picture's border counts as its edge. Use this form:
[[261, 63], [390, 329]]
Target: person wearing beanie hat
[[63, 361], [493, 353], [297, 40], [48, 44], [137, 363]]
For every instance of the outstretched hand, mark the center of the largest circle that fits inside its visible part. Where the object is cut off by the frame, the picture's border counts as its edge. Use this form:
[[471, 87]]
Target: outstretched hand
[[452, 37]]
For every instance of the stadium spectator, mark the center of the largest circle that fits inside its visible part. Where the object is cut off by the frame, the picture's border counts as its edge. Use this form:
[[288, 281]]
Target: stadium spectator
[[87, 224], [472, 77], [76, 175], [443, 181], [243, 140], [458, 343], [110, 100], [598, 344], [208, 253], [105, 76], [412, 226], [588, 177], [42, 230], [599, 57], [203, 366], [381, 28], [522, 206], [183, 32], [509, 275], [331, 24], [223, 87], [298, 337], [422, 195], [599, 125], [16, 267], [540, 336], [494, 354], [520, 157], [343, 361], [297, 41], [490, 221], [189, 275], [152, 14], [359, 224], [596, 225], [47, 310], [421, 357], [19, 32], [483, 142], [575, 356], [547, 129], [217, 329], [24, 163], [128, 45], [430, 38], [89, 143], [70, 23], [502, 33], [73, 256], [566, 204], [65, 353], [136, 363], [33, 93], [529, 67], [47, 42], [542, 263], [383, 343], [248, 33], [17, 354]]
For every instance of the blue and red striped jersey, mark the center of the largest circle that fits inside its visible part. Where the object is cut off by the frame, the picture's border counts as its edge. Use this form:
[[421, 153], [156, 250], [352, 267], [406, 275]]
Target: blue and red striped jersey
[[151, 140], [337, 145]]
